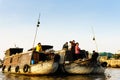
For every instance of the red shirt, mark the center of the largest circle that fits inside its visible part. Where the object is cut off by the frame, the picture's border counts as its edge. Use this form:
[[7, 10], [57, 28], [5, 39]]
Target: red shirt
[[77, 49]]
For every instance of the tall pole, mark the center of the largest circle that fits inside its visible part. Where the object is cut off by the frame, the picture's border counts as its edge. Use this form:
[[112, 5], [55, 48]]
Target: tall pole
[[38, 23], [94, 39]]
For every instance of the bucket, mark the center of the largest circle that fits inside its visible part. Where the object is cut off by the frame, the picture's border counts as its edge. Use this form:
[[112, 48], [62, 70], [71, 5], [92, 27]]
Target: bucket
[[32, 61]]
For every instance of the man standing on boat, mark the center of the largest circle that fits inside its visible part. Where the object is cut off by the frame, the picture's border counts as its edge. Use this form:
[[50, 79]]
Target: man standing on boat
[[38, 55], [39, 48], [73, 49], [95, 56]]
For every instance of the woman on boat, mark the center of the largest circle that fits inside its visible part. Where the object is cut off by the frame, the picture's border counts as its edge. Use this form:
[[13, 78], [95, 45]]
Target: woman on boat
[[77, 51]]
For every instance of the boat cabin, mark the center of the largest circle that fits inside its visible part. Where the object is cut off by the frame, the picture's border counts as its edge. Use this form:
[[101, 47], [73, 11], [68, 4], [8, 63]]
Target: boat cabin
[[16, 56], [12, 51]]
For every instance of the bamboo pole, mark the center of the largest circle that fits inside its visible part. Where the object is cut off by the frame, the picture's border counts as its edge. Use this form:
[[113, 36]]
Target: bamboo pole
[[94, 39], [38, 23]]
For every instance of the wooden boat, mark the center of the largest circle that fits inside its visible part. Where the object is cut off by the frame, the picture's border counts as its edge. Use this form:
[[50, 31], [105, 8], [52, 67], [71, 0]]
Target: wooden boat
[[84, 66], [30, 62]]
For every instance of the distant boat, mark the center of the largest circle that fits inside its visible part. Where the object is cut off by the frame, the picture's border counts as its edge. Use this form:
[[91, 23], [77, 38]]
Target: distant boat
[[29, 62], [87, 66]]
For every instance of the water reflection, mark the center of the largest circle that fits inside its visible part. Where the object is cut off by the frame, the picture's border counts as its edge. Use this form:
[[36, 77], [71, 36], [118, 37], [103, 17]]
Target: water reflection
[[110, 74], [55, 77]]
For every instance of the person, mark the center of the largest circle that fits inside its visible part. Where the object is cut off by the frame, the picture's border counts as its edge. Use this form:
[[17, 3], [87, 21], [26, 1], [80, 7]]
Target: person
[[69, 45], [39, 54], [73, 48], [68, 55], [65, 46], [39, 48], [95, 56], [87, 54], [77, 51]]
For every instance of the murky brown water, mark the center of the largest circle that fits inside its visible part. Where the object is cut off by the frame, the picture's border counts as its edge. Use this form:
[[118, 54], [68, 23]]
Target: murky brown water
[[110, 74]]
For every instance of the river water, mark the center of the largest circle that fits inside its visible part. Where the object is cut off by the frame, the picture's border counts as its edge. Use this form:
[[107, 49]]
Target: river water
[[110, 74]]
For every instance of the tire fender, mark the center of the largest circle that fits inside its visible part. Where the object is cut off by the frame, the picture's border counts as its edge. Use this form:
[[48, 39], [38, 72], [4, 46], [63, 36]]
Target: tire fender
[[26, 68], [3, 68], [17, 69]]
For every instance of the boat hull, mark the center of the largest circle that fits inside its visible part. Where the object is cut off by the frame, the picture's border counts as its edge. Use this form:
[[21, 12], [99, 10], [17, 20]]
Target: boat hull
[[31, 63], [98, 70], [77, 68], [37, 69]]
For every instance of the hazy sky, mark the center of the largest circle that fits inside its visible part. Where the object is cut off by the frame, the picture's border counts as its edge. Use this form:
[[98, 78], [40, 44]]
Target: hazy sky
[[61, 21]]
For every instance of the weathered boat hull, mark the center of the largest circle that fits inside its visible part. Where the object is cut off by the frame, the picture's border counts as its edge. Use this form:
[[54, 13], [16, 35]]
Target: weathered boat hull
[[37, 69], [98, 70], [30, 63], [75, 68]]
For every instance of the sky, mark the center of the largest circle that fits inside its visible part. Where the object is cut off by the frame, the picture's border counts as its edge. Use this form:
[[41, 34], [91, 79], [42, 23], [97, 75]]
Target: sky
[[60, 21]]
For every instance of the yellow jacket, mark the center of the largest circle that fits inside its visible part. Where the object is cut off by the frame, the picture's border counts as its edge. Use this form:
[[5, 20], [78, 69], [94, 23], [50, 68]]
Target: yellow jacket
[[38, 48]]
